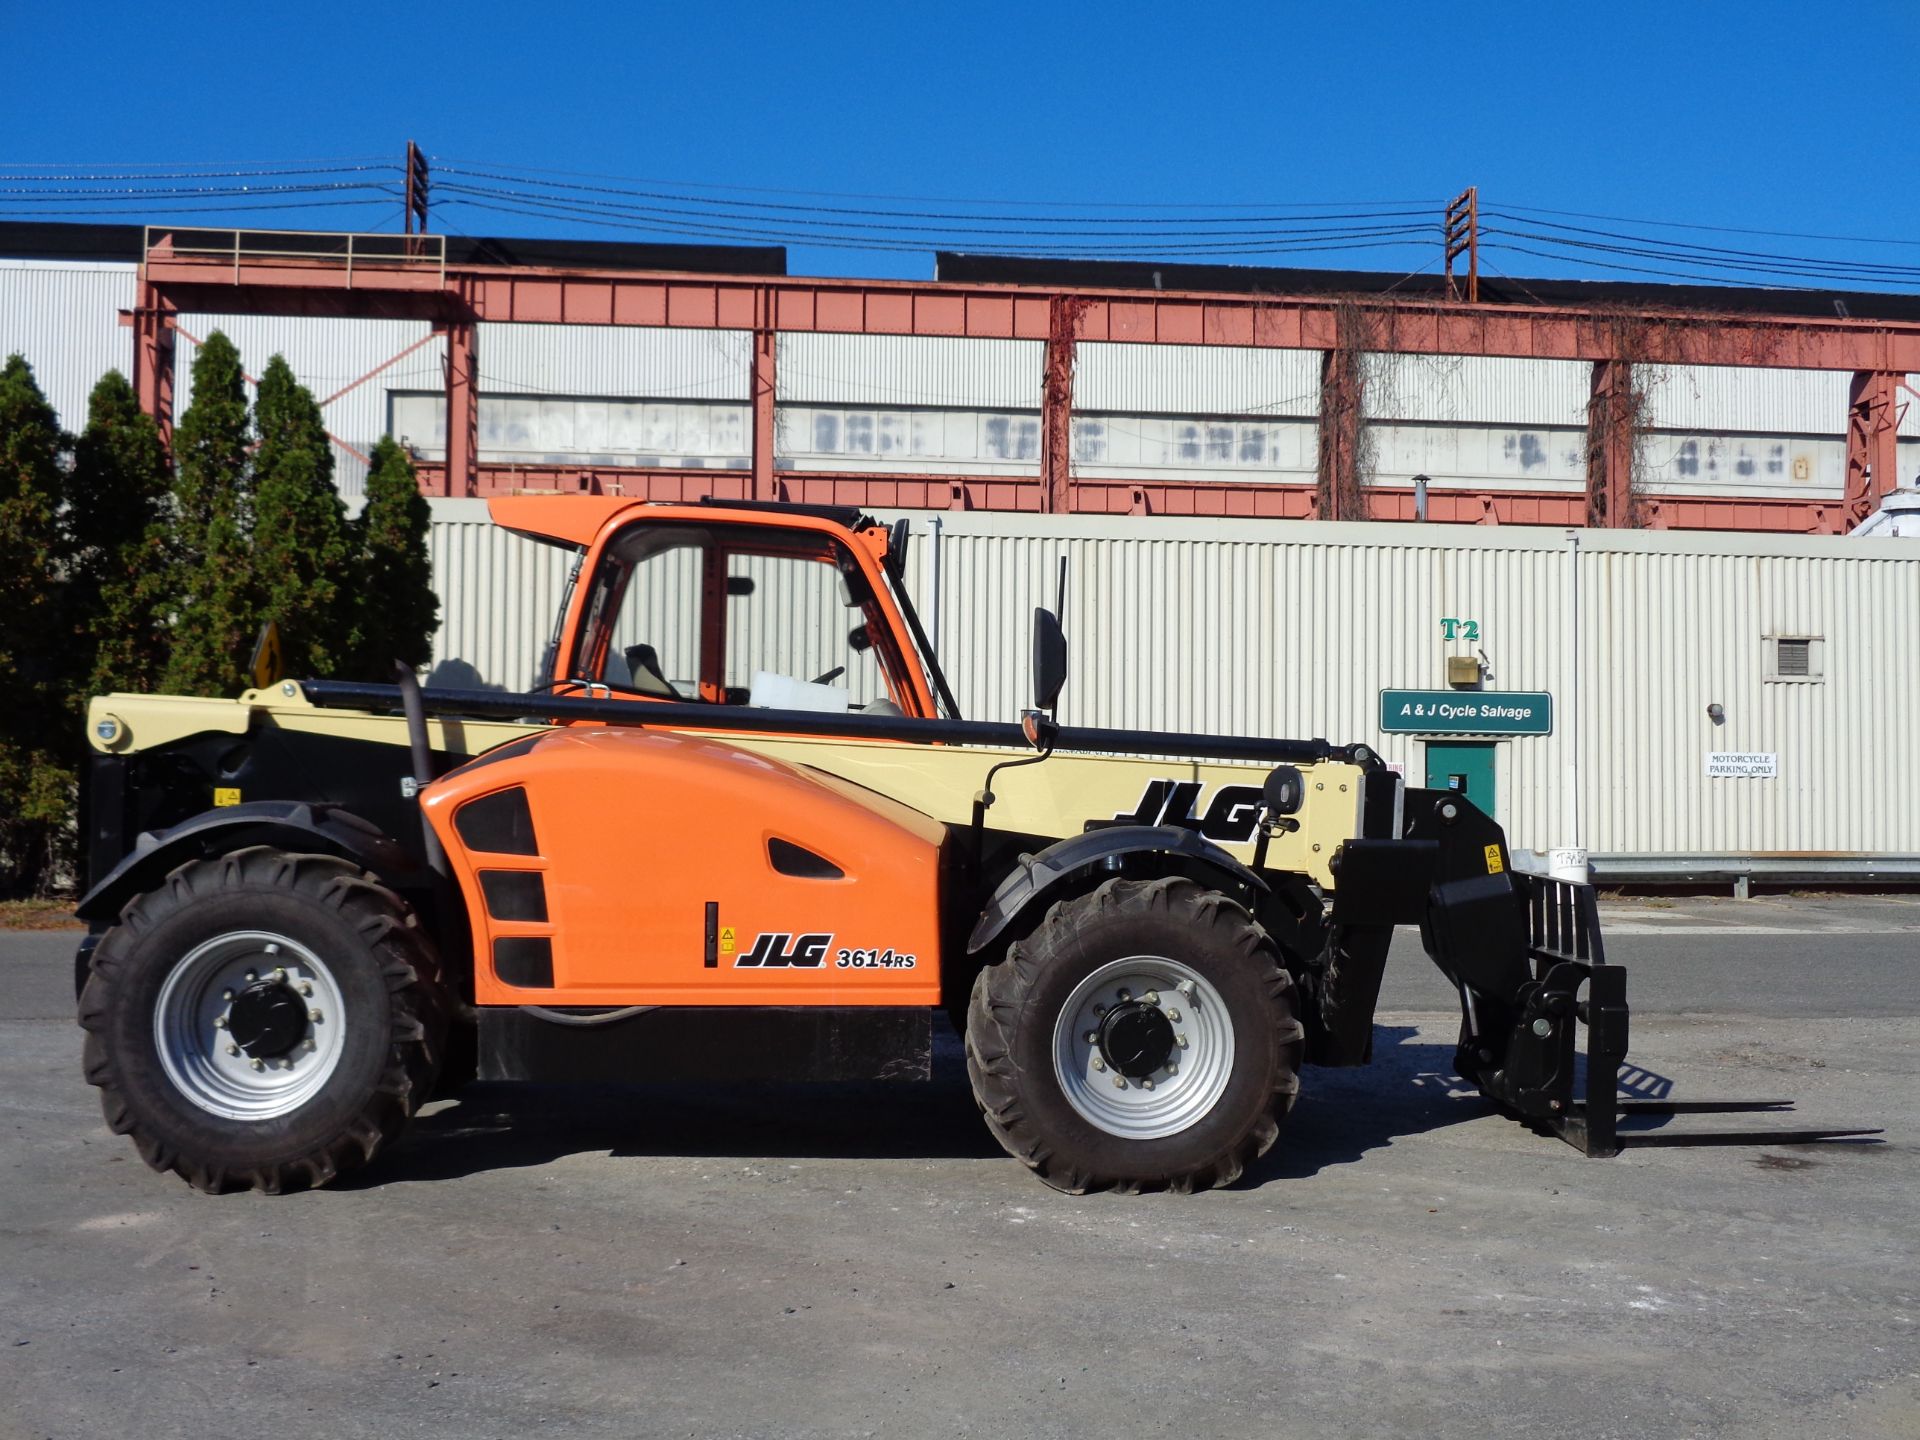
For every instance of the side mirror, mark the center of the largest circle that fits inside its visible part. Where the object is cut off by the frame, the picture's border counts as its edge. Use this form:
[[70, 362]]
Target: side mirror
[[1049, 659]]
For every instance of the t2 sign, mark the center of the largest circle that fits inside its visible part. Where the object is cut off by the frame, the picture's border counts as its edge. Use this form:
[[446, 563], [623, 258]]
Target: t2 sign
[[1452, 629]]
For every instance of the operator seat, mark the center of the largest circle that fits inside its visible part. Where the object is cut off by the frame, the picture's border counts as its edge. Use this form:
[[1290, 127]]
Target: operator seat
[[883, 707], [643, 663]]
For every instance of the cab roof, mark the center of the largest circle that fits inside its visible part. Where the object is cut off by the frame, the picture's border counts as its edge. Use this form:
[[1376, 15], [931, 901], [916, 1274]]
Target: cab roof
[[574, 520]]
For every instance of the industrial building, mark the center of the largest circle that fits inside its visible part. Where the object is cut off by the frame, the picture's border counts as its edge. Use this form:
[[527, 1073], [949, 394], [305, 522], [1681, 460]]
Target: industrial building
[[1676, 574]]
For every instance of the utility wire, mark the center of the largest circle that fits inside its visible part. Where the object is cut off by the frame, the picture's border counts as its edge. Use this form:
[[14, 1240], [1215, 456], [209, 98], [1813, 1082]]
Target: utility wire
[[1422, 205]]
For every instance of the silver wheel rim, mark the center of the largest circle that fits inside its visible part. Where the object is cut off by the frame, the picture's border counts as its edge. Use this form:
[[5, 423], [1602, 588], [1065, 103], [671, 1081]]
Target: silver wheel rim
[[198, 1053], [1173, 1098]]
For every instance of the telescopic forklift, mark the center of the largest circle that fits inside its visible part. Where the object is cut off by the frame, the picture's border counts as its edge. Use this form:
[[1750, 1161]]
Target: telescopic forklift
[[740, 829]]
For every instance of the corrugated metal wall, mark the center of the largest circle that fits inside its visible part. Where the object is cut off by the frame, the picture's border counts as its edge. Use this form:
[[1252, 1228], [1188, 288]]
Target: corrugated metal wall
[[1755, 400], [1287, 628], [637, 362], [1194, 380], [65, 318], [819, 369], [327, 356], [1478, 390]]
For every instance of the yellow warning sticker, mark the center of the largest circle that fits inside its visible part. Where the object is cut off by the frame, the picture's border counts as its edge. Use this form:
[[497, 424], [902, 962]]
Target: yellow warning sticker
[[1494, 867], [726, 940], [226, 795]]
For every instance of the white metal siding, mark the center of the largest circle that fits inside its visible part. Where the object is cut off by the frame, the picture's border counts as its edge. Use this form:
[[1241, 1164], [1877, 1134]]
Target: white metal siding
[[1479, 390], [1195, 380], [499, 594], [64, 316], [1289, 628], [326, 356], [634, 363], [910, 370], [1750, 400]]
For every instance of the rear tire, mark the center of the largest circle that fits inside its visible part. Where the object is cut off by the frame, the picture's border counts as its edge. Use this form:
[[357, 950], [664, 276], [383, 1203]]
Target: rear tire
[[1098, 1085], [263, 1020]]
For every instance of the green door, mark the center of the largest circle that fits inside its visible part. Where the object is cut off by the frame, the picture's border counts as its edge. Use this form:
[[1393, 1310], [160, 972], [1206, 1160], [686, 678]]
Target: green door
[[1463, 765]]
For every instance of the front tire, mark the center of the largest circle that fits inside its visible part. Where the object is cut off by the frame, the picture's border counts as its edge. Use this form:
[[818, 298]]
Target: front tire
[[1142, 1038], [263, 1020]]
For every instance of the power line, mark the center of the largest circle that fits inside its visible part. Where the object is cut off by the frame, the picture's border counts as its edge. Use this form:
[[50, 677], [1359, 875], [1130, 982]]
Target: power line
[[450, 161], [1718, 229]]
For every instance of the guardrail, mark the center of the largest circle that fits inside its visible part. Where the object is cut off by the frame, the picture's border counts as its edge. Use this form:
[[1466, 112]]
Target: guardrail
[[236, 249]]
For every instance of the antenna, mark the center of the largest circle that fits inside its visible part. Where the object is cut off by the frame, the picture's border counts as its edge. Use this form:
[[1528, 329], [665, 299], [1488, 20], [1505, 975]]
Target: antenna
[[1060, 607]]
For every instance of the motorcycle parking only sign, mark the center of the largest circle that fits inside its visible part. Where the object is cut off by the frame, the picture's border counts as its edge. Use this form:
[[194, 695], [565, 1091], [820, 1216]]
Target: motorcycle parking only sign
[[1741, 765]]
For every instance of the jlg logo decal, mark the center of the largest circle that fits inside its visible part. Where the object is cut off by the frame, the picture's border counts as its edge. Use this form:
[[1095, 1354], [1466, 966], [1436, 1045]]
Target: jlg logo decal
[[770, 951], [1231, 817]]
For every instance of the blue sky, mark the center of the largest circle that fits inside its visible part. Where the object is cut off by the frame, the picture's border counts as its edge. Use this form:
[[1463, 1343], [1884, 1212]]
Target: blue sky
[[1765, 115]]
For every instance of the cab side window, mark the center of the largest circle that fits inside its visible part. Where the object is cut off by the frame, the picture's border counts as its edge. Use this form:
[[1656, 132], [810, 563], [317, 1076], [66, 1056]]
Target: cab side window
[[800, 617]]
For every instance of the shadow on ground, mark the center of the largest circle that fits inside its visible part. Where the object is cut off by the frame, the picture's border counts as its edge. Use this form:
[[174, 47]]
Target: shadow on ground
[[1342, 1114]]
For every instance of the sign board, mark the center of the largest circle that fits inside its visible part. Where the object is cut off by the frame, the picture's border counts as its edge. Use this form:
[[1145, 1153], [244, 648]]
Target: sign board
[[1741, 765], [1466, 712]]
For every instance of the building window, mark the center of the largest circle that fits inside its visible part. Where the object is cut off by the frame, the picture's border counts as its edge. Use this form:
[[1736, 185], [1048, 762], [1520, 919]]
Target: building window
[[1796, 657]]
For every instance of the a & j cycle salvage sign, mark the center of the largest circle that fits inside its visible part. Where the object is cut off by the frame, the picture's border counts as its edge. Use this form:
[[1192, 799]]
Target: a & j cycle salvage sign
[[1466, 712]]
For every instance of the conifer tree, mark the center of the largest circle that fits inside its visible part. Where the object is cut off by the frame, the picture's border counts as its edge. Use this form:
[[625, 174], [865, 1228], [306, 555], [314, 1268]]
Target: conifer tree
[[399, 612], [304, 549], [219, 600], [36, 784], [120, 536]]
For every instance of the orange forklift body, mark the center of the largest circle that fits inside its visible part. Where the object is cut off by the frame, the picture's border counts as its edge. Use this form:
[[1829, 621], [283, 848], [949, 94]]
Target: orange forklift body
[[616, 867]]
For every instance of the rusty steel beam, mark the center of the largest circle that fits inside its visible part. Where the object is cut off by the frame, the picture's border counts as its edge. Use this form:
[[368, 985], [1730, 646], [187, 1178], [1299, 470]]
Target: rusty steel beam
[[152, 319], [765, 396], [1611, 434], [463, 407], [881, 307], [1873, 433], [1339, 495], [1056, 404]]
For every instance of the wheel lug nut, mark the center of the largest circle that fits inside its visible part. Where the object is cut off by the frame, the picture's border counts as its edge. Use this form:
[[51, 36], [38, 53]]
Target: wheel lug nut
[[1152, 997], [219, 1022], [1181, 1041], [278, 973], [251, 977], [1119, 1082], [314, 1015], [1172, 1069], [226, 994], [1146, 1084], [1099, 1009], [233, 1049], [258, 1064], [1092, 1036], [1126, 995], [1098, 1063], [1174, 1015], [306, 987]]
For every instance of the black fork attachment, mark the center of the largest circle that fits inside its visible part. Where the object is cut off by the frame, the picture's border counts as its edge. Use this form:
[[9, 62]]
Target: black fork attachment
[[1526, 955]]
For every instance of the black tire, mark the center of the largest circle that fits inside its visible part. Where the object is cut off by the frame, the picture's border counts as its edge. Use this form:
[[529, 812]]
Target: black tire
[[387, 976], [1016, 1003]]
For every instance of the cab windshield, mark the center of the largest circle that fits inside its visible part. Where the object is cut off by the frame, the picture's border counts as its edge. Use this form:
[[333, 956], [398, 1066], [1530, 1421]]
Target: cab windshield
[[739, 615]]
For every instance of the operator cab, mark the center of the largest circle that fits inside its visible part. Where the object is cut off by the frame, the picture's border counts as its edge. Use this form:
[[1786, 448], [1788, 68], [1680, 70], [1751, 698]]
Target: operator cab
[[775, 611]]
